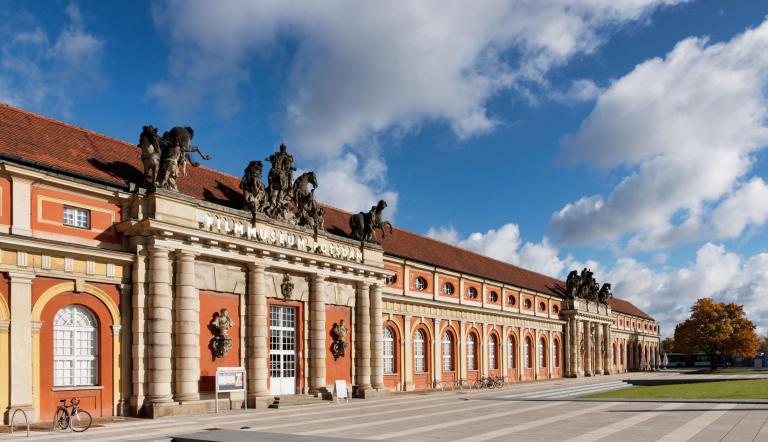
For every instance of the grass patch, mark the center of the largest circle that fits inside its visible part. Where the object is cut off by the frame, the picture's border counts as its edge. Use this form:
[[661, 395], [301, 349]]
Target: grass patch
[[730, 371], [749, 389]]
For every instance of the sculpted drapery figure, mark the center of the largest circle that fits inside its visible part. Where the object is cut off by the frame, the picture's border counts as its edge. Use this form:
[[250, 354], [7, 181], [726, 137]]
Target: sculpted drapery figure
[[254, 193], [221, 342], [279, 186], [165, 156]]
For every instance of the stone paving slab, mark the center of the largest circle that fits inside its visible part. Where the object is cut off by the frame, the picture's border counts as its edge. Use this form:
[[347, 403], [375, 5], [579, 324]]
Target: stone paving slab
[[247, 436]]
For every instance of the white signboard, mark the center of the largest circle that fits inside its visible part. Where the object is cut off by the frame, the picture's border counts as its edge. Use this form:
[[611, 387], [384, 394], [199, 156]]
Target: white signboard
[[231, 379], [341, 391]]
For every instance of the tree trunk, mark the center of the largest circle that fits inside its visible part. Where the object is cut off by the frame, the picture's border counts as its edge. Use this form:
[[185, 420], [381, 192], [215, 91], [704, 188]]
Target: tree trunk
[[713, 361]]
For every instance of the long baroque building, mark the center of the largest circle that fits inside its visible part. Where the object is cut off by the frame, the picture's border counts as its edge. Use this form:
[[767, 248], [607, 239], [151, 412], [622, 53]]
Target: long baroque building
[[114, 294]]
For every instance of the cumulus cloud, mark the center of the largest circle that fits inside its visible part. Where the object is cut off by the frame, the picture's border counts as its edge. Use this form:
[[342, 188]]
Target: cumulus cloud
[[42, 73], [505, 244], [360, 68], [686, 127]]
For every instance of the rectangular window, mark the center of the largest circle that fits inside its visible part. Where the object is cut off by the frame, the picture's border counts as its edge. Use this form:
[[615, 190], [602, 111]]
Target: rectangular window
[[76, 217]]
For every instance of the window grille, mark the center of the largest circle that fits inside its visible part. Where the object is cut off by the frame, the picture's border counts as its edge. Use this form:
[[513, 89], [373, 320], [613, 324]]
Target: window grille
[[389, 351], [419, 361], [492, 353], [447, 351], [471, 359], [75, 347], [76, 217]]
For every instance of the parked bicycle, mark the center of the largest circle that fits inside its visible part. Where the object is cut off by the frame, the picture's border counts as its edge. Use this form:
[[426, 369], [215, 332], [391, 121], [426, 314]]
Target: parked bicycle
[[77, 420], [488, 382]]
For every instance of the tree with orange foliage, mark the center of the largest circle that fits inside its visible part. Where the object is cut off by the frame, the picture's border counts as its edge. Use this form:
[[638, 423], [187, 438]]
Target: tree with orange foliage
[[717, 329]]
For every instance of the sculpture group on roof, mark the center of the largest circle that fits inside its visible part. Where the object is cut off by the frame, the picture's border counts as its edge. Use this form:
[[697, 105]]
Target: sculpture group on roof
[[165, 156], [283, 198], [585, 286]]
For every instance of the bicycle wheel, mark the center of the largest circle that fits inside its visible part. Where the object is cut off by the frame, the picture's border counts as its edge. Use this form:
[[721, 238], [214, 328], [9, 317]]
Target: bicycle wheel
[[80, 421], [478, 384], [498, 383], [60, 419]]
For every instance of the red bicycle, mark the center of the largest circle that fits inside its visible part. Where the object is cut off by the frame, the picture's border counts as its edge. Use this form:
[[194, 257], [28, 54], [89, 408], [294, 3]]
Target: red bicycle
[[77, 420]]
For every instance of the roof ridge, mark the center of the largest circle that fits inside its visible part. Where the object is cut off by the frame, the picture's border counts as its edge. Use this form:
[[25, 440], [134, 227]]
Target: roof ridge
[[65, 124]]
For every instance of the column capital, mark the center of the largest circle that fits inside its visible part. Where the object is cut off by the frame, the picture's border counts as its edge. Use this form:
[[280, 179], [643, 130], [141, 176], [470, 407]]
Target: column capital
[[5, 325], [318, 278], [255, 266], [116, 328], [183, 254], [21, 277], [36, 325], [157, 250]]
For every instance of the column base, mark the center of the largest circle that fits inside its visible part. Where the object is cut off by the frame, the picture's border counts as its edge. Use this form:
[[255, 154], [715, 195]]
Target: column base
[[258, 402], [28, 409]]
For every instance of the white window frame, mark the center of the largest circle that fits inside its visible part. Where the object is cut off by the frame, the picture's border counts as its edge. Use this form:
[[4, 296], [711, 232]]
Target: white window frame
[[419, 352], [555, 354], [76, 217], [448, 288], [75, 347], [420, 283], [492, 346], [527, 352], [388, 339], [471, 352], [472, 293], [542, 354], [447, 351], [494, 297], [511, 351]]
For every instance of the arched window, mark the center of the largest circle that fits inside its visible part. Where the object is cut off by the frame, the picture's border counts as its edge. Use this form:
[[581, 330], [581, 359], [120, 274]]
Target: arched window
[[471, 352], [420, 284], [419, 352], [512, 351], [527, 353], [492, 347], [542, 353], [389, 350], [447, 351], [556, 353], [75, 347]]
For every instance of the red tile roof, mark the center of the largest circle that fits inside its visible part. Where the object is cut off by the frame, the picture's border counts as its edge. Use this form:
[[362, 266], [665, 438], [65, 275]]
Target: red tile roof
[[48, 143]]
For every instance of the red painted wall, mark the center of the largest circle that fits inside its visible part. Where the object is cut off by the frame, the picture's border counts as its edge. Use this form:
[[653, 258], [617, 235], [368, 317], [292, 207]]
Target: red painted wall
[[340, 368], [210, 304]]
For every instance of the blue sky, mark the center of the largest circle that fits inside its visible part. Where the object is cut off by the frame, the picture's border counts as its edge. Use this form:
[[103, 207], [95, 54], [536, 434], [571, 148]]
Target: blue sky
[[626, 135]]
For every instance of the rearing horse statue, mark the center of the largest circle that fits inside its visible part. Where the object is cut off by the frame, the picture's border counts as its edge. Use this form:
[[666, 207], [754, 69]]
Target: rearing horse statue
[[364, 225]]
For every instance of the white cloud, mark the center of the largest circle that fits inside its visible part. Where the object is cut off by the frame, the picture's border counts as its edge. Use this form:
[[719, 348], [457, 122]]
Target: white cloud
[[580, 90], [348, 185], [504, 244], [42, 74], [360, 68], [686, 127], [747, 205], [355, 70]]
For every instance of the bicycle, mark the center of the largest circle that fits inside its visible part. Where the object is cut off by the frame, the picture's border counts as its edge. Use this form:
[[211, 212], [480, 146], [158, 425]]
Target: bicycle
[[76, 420]]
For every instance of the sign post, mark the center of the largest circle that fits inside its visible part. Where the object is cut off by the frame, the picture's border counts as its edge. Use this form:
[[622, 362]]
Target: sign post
[[231, 379]]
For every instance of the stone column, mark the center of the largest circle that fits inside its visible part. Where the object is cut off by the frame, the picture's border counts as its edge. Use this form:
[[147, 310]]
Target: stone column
[[362, 336], [608, 349], [257, 344], [520, 355], [503, 351], [317, 334], [377, 339], [408, 353], [187, 329], [160, 326], [20, 343], [551, 354], [536, 358], [461, 354], [483, 353], [587, 349], [598, 348], [437, 361]]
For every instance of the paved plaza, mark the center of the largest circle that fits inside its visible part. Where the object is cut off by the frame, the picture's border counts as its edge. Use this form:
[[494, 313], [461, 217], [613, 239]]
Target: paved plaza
[[514, 413]]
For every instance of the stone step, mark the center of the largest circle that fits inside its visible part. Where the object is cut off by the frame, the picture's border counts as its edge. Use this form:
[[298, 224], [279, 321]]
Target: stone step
[[294, 400]]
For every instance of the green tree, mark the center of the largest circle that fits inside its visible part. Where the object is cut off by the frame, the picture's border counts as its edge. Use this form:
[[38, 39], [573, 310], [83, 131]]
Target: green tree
[[717, 329]]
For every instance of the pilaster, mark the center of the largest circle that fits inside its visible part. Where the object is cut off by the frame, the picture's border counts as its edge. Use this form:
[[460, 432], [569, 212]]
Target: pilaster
[[377, 344], [20, 340], [408, 353], [257, 336], [160, 326]]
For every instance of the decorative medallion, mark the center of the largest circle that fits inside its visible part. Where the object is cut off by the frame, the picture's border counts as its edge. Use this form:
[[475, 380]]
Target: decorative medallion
[[286, 288]]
